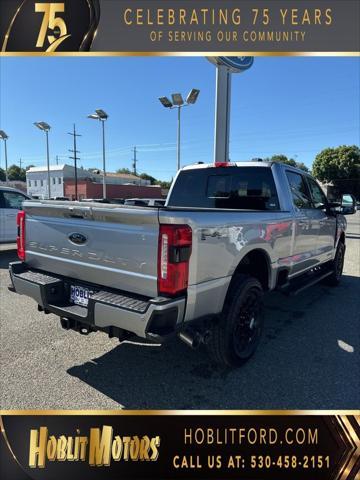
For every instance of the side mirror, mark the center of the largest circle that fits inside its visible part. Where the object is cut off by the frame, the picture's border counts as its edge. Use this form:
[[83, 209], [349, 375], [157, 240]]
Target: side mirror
[[348, 204]]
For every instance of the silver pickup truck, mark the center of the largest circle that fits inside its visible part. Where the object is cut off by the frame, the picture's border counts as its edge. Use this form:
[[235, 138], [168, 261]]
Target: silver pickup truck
[[196, 268]]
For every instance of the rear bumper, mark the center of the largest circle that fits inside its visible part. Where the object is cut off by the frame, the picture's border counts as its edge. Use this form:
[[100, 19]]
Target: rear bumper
[[154, 318]]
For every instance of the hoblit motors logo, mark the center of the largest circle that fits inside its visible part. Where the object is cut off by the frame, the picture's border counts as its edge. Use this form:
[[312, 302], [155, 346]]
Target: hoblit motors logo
[[39, 26], [99, 448]]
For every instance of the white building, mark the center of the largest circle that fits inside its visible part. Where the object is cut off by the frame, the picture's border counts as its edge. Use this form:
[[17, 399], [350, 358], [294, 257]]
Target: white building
[[37, 179]]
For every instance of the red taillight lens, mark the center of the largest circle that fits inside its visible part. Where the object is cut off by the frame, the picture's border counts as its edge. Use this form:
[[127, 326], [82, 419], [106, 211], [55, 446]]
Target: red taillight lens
[[20, 241], [224, 164], [175, 243]]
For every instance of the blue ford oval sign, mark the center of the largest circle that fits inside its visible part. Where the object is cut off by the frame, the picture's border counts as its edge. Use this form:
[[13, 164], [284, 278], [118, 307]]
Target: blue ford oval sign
[[77, 238], [235, 64]]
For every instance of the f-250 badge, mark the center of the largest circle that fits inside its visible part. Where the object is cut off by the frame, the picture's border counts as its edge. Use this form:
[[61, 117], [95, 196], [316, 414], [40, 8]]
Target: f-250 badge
[[38, 26]]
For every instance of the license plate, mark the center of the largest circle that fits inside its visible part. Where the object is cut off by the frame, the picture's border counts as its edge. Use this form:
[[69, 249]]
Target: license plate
[[80, 295]]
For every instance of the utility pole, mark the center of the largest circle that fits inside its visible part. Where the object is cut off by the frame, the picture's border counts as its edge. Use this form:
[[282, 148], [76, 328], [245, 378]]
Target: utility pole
[[134, 161], [75, 158], [20, 162], [57, 159]]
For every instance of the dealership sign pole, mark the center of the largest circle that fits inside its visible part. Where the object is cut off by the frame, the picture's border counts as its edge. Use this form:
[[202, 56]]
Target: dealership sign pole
[[225, 66]]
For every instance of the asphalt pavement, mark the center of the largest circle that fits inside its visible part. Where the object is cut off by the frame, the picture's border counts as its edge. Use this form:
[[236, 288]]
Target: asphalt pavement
[[308, 358]]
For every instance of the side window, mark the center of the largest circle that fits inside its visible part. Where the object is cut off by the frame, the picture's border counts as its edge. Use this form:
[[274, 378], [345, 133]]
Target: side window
[[59, 180], [35, 183], [13, 200], [299, 190], [29, 183], [317, 194]]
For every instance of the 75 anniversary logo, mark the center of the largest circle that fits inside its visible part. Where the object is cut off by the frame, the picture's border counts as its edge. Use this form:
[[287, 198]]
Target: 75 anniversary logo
[[36, 25]]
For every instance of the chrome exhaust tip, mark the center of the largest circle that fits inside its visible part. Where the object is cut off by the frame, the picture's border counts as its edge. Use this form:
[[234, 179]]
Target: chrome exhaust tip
[[192, 339]]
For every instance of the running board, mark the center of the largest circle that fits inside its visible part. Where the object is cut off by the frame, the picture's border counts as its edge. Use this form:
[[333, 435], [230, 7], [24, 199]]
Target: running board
[[298, 285]]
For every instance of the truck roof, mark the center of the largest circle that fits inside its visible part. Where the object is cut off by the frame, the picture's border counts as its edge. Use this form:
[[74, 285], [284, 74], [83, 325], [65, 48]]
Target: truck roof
[[253, 163]]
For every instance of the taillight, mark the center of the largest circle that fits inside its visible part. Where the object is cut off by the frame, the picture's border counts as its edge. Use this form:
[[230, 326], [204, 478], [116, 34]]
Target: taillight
[[20, 241], [173, 258]]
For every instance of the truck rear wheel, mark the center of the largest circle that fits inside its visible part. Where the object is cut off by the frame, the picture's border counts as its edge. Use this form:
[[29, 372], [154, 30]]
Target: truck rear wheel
[[235, 337]]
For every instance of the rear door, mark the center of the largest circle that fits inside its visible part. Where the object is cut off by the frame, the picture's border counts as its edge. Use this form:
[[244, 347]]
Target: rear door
[[305, 254], [10, 205], [326, 221]]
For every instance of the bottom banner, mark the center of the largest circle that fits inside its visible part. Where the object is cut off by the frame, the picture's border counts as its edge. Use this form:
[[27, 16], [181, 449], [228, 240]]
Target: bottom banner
[[180, 445]]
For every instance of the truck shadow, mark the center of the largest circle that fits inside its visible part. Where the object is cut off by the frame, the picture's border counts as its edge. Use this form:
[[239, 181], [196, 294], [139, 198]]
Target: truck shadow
[[7, 255], [298, 364]]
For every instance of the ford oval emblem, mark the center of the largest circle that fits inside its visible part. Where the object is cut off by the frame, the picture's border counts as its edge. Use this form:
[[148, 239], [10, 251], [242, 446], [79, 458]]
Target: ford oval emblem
[[77, 238]]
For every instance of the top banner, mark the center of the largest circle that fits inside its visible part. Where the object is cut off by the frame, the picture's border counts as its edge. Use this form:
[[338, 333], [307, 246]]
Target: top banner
[[131, 27]]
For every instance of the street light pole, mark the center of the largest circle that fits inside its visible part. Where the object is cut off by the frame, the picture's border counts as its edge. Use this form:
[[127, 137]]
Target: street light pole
[[104, 163], [178, 102], [178, 137], [102, 116], [4, 137], [6, 162], [48, 162], [45, 127]]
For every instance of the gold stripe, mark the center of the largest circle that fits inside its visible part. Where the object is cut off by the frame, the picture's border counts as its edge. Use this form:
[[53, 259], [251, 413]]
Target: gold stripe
[[6, 38], [178, 54], [180, 412], [3, 432], [354, 441]]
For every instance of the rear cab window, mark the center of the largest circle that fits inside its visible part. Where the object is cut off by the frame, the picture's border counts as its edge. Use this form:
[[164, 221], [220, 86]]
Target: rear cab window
[[234, 188]]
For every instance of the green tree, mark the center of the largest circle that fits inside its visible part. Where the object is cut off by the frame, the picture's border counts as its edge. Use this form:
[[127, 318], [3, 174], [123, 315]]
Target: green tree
[[288, 161], [16, 173], [124, 170], [339, 163], [302, 166], [2, 175], [145, 176], [166, 185]]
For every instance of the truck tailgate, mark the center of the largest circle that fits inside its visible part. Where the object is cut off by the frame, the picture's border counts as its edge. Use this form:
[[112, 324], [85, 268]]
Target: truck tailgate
[[113, 245]]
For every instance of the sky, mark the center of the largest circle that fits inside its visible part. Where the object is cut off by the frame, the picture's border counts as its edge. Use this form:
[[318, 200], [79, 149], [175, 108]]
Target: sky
[[295, 106]]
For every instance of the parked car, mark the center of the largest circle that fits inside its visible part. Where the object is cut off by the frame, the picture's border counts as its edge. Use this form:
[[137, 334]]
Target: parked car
[[95, 200], [196, 268], [11, 201], [145, 202]]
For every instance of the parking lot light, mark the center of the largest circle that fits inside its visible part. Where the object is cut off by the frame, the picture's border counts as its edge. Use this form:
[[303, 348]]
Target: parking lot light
[[178, 102], [177, 99], [192, 96], [45, 127]]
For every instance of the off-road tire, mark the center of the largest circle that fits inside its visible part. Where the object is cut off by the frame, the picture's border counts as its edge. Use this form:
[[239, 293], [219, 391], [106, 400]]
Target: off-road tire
[[236, 335], [337, 266]]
